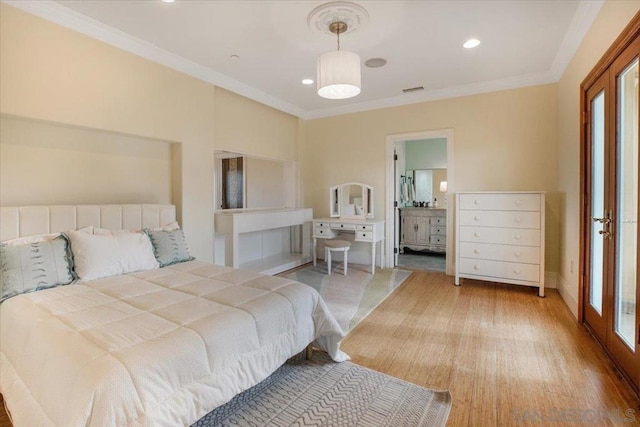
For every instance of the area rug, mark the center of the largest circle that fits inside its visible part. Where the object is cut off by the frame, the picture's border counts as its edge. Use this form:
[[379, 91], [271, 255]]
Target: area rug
[[352, 297], [320, 392]]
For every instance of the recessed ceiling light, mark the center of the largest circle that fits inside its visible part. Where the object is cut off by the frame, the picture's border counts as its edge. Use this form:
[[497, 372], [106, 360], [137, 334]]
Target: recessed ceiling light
[[307, 81], [375, 62], [471, 43], [168, 1]]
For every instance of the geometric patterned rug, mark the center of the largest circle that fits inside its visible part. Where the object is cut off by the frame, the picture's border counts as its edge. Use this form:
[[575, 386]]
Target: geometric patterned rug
[[352, 297], [320, 392]]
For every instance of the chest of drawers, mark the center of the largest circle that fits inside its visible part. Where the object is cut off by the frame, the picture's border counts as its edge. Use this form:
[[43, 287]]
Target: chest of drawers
[[500, 237]]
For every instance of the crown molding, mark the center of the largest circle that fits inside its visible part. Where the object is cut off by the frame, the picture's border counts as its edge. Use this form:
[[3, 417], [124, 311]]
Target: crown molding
[[586, 13], [68, 18], [437, 94], [52, 11]]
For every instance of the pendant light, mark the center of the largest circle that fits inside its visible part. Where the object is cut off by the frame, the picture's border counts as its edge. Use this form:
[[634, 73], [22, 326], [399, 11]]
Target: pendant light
[[339, 70]]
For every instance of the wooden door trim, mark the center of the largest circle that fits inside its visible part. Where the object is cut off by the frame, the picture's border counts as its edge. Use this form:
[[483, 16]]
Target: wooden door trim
[[623, 41]]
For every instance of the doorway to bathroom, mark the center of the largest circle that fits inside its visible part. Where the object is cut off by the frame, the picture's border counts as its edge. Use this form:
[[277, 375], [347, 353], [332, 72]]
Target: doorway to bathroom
[[419, 183]]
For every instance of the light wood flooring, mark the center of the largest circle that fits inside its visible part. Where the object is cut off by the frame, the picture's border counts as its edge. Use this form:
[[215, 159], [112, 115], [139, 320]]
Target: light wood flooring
[[508, 357]]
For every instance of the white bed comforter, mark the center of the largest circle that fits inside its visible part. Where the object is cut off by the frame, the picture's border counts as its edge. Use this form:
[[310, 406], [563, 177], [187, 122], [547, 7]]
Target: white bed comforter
[[160, 347]]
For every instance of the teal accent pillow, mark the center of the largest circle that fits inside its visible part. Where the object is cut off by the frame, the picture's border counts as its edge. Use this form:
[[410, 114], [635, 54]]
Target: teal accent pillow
[[169, 247], [35, 266]]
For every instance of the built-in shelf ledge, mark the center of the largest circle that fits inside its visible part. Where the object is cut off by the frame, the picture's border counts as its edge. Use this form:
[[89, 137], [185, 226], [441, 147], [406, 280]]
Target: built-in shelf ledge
[[231, 224], [276, 263]]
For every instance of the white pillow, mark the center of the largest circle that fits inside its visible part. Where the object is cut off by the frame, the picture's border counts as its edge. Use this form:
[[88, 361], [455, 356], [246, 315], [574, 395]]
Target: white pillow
[[169, 227], [103, 255], [31, 239]]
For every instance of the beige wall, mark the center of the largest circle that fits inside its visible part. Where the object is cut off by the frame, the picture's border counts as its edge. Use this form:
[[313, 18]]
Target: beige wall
[[52, 74], [613, 17], [41, 163], [265, 183], [503, 141], [248, 127]]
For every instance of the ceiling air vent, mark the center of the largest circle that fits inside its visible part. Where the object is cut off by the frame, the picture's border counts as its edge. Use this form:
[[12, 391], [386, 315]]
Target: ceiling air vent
[[413, 89]]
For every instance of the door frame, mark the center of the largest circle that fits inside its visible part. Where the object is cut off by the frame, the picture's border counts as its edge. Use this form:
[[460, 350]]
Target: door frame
[[390, 227], [624, 41], [601, 84]]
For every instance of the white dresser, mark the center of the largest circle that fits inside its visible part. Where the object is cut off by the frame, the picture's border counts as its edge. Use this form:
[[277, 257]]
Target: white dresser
[[500, 237], [423, 229]]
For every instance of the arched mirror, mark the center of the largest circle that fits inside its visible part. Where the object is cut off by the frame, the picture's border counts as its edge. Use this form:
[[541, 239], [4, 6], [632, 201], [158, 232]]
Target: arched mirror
[[351, 200]]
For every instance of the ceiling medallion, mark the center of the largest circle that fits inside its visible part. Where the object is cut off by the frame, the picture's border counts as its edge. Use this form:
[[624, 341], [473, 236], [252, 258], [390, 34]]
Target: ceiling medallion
[[354, 15]]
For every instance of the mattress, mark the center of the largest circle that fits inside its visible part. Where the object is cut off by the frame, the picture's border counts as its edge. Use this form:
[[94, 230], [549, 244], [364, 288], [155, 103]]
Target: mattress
[[159, 347]]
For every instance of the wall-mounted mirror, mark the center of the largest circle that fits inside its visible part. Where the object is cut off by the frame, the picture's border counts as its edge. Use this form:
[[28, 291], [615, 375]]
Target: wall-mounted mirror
[[424, 186], [250, 182], [351, 200], [334, 201]]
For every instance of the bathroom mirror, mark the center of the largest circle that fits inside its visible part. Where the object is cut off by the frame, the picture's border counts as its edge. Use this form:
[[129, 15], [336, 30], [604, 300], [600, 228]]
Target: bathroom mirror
[[351, 200], [427, 185]]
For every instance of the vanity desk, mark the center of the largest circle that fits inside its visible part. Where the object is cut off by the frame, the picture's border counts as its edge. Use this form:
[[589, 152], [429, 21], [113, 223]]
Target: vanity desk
[[351, 212], [365, 230]]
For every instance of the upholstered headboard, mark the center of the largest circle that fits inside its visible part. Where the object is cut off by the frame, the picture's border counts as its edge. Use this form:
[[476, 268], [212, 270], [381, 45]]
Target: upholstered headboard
[[25, 221]]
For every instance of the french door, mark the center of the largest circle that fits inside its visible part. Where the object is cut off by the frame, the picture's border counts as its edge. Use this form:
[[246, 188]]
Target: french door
[[611, 259]]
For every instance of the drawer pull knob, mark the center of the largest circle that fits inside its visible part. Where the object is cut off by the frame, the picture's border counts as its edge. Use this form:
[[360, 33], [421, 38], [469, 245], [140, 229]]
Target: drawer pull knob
[[476, 202], [476, 267], [517, 271], [476, 234], [341, 225], [517, 237], [518, 202], [518, 219], [475, 251], [475, 218], [364, 235], [517, 254]]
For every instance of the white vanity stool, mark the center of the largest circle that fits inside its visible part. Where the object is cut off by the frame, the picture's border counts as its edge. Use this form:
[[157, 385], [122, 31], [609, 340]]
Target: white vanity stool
[[338, 246]]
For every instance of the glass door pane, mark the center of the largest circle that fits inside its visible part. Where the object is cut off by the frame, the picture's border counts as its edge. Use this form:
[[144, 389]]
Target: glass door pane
[[627, 206], [597, 201]]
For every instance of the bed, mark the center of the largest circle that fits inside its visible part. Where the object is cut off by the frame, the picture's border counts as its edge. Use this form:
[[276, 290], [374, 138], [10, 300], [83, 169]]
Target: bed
[[162, 346]]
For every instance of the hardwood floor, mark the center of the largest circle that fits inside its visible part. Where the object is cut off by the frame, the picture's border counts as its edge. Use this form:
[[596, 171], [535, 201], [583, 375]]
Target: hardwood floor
[[507, 356]]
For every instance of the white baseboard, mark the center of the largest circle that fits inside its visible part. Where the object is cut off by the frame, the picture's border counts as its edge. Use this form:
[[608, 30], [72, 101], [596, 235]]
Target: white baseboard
[[568, 295]]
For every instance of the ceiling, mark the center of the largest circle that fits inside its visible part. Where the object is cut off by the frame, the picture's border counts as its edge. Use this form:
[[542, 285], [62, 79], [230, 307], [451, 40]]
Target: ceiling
[[524, 42]]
